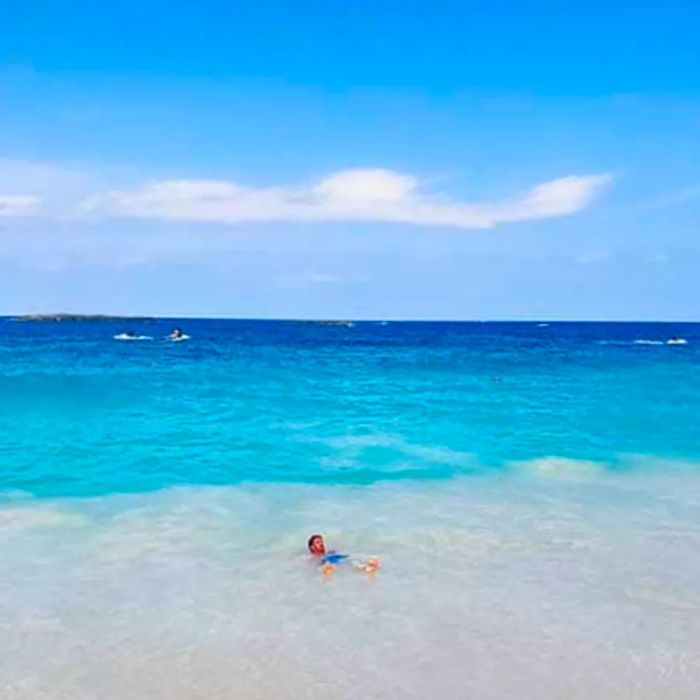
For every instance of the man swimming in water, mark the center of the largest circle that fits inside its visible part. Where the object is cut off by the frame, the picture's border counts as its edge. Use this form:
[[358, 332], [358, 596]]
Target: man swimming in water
[[317, 547], [330, 559]]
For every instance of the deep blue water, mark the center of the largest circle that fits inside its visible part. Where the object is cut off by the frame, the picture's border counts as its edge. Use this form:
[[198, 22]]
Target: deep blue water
[[84, 414]]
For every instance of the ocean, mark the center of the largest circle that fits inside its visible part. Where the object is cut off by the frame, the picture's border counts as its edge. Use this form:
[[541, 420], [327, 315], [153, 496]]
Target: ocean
[[532, 490]]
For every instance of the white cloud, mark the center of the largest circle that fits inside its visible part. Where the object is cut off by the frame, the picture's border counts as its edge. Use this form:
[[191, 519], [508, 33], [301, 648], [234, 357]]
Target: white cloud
[[19, 205], [368, 195]]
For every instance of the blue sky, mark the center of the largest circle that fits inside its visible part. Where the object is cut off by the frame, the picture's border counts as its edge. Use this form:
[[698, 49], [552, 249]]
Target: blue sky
[[327, 159]]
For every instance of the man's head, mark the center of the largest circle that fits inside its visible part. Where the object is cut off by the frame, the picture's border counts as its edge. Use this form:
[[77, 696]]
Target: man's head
[[316, 545]]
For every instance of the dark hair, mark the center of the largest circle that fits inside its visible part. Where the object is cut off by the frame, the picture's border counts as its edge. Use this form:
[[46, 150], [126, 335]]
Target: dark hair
[[311, 540]]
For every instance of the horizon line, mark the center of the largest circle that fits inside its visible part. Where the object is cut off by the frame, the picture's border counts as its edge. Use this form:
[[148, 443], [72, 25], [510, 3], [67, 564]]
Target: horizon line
[[336, 319]]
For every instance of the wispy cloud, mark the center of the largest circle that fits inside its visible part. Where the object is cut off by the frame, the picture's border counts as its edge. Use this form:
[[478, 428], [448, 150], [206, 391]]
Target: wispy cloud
[[34, 188], [672, 199], [19, 205], [362, 195], [312, 280], [593, 257]]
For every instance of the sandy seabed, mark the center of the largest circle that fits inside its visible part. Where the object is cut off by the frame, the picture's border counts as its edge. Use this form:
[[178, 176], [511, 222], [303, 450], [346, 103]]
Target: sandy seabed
[[556, 580]]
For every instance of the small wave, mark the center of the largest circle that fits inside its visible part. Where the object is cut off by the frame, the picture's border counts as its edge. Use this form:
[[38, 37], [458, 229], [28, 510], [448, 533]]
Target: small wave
[[355, 445], [560, 467], [645, 341], [127, 336]]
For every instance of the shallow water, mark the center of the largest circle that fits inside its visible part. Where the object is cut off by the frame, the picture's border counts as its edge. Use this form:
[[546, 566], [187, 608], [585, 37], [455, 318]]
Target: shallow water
[[535, 502]]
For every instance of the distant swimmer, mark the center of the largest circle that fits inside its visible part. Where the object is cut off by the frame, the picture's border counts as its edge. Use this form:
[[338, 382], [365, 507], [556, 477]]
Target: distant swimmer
[[676, 341], [178, 335], [329, 559]]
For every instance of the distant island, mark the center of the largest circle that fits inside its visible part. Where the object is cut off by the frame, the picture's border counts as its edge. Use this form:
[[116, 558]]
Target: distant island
[[76, 318]]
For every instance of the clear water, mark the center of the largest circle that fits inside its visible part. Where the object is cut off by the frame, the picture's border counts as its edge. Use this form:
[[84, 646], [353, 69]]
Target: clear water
[[533, 492]]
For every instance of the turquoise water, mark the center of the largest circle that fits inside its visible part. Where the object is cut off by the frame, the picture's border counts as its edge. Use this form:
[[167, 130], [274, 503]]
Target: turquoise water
[[84, 414], [533, 492]]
